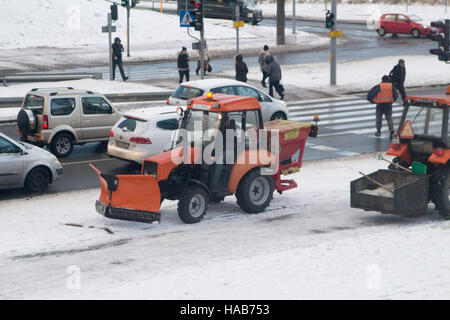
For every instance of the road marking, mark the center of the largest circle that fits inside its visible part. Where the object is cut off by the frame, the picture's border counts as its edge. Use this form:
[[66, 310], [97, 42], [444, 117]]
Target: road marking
[[323, 148]]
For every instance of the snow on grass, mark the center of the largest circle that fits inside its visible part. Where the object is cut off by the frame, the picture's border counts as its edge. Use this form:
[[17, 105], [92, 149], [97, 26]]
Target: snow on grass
[[361, 75], [77, 23], [308, 244]]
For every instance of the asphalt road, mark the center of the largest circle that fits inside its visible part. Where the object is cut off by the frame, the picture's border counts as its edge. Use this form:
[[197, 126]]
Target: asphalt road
[[346, 128], [363, 44]]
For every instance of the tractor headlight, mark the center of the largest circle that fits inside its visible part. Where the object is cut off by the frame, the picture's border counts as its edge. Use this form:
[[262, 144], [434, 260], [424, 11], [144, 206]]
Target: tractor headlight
[[250, 15]]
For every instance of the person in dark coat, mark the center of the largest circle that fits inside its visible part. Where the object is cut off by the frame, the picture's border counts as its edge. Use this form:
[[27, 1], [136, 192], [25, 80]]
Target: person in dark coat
[[117, 50], [383, 95], [398, 75], [274, 73], [241, 68], [263, 65], [183, 64]]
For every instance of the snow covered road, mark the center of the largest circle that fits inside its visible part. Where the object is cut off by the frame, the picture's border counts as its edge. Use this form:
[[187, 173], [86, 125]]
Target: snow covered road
[[308, 244]]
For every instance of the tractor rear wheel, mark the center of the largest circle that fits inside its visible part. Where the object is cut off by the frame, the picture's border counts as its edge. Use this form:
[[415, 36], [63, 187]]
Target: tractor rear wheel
[[440, 191], [193, 204], [254, 192]]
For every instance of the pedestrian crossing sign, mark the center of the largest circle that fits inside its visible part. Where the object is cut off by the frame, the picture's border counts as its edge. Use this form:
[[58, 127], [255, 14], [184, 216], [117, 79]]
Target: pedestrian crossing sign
[[186, 17]]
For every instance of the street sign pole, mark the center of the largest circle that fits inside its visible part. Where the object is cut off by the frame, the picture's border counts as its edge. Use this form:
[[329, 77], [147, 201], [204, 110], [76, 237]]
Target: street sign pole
[[333, 46], [202, 49], [128, 30], [294, 31], [237, 18], [109, 47]]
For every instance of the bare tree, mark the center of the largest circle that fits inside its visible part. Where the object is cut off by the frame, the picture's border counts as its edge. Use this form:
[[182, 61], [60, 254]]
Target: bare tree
[[281, 22]]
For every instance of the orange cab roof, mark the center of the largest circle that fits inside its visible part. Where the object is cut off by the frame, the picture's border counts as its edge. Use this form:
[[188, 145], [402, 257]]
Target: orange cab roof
[[443, 99], [224, 103]]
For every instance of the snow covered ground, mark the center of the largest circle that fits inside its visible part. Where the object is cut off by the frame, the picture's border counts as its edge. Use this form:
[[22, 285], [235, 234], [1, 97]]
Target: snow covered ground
[[361, 75], [355, 12], [308, 244]]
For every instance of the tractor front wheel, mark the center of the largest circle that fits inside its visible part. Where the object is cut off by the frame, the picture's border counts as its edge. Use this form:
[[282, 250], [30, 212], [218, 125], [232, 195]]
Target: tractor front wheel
[[440, 191], [193, 205], [254, 192]]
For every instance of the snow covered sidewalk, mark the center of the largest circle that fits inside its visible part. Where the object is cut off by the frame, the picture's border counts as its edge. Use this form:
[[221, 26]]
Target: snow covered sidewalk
[[360, 75], [308, 244]]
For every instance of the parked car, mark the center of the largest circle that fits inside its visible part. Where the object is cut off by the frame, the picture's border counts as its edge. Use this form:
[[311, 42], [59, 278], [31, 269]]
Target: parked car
[[397, 23], [142, 133], [63, 117], [271, 108], [25, 165]]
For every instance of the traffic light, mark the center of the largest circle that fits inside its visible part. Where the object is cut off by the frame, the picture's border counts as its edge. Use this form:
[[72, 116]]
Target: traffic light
[[125, 3], [329, 20], [443, 51], [114, 15], [198, 14]]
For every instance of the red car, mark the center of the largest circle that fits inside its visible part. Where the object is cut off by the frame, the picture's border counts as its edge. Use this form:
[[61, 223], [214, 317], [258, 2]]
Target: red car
[[397, 23]]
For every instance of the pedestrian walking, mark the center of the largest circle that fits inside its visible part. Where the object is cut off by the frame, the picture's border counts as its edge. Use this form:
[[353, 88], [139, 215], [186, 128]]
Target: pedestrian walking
[[241, 68], [383, 95], [274, 74], [183, 64], [398, 75], [117, 50], [263, 64]]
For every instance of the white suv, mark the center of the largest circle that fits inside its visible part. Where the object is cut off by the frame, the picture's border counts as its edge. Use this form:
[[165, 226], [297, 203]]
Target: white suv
[[63, 117], [271, 108]]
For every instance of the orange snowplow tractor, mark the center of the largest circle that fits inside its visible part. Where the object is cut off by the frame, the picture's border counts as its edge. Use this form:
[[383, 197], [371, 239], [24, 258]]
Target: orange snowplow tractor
[[224, 103], [246, 162]]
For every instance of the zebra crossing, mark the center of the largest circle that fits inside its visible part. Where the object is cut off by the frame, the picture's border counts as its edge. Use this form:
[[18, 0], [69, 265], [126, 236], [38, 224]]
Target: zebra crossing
[[340, 115]]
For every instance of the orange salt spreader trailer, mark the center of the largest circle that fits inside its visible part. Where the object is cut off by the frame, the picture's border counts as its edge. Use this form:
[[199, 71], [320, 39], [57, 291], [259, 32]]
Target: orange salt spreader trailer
[[222, 148]]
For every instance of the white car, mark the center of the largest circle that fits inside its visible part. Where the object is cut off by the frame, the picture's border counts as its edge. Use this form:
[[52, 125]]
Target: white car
[[25, 165], [271, 108], [142, 133]]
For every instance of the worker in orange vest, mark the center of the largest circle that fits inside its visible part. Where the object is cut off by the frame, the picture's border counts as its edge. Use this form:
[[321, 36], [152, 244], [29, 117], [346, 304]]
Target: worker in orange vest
[[383, 95]]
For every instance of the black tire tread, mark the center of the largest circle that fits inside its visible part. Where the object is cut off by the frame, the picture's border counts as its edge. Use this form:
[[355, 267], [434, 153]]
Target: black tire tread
[[183, 204], [242, 200], [28, 184], [53, 145], [440, 183]]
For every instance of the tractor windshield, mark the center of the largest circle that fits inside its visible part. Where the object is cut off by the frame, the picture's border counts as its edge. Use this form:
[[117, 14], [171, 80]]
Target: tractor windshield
[[426, 120], [196, 123]]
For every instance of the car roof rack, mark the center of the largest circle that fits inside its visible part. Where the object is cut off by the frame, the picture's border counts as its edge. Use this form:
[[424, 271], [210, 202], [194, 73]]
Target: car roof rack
[[51, 88]]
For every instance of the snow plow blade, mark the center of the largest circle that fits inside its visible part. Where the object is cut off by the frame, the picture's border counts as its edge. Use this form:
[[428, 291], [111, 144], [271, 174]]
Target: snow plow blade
[[129, 197], [390, 191]]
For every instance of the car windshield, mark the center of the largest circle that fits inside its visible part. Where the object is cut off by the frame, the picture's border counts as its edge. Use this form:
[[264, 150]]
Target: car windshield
[[34, 103], [187, 92], [415, 18], [250, 2], [426, 121]]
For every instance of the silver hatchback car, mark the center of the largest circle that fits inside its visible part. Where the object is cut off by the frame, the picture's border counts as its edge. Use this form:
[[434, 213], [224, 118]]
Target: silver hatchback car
[[25, 165]]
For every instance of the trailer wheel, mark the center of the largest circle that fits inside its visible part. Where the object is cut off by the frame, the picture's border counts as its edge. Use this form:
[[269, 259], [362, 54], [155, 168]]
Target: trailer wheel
[[440, 191], [254, 192], [193, 205]]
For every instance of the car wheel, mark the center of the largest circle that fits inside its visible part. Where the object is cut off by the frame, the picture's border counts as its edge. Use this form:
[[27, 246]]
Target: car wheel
[[381, 32], [37, 180], [62, 145], [193, 205], [440, 187], [278, 116], [254, 192], [415, 33]]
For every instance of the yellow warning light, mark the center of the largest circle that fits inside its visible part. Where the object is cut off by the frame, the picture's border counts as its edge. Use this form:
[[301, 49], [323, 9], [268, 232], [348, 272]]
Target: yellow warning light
[[209, 95]]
